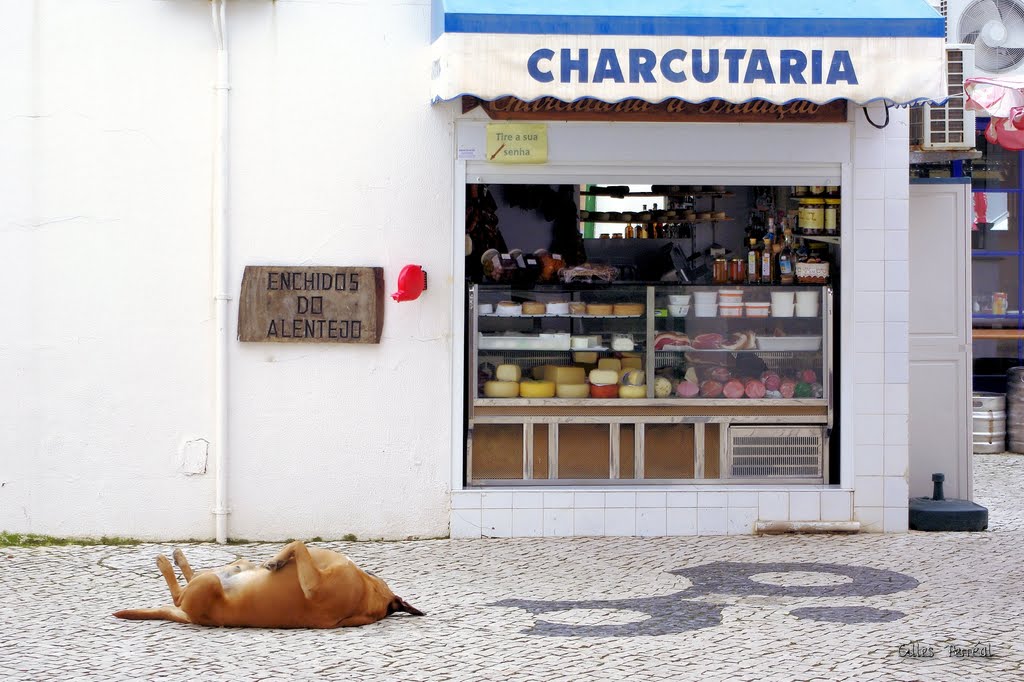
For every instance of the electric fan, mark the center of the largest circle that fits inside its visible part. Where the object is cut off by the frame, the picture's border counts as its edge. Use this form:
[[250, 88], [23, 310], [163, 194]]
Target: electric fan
[[995, 28]]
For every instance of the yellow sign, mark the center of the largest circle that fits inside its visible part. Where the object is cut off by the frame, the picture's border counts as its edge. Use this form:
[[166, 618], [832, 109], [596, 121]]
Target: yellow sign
[[517, 143]]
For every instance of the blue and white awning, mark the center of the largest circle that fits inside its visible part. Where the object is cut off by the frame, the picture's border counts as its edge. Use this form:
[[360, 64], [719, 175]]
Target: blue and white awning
[[693, 50]]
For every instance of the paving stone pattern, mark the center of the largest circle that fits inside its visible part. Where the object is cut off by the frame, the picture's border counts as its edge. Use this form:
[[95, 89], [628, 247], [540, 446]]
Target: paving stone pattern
[[684, 608]]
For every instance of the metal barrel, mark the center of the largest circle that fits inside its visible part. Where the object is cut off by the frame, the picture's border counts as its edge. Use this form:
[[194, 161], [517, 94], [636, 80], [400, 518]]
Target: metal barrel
[[1015, 409], [989, 418]]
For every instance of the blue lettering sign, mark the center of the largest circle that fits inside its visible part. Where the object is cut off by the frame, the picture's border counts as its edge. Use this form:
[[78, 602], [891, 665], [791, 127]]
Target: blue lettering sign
[[841, 69], [703, 75], [533, 65], [608, 67], [666, 66], [734, 57], [569, 65], [792, 65], [641, 65], [759, 68]]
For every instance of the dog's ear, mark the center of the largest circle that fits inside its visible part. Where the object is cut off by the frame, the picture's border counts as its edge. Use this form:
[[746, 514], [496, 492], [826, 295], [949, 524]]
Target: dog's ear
[[398, 604]]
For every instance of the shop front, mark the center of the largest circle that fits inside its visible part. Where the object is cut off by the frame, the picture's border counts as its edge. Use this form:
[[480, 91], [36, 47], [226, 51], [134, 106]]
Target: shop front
[[679, 239]]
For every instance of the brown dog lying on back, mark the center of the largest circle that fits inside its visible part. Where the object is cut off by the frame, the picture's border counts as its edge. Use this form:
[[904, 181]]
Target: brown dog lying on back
[[301, 587]]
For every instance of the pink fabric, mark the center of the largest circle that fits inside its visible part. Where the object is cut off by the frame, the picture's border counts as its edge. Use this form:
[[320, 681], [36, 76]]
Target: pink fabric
[[1003, 100]]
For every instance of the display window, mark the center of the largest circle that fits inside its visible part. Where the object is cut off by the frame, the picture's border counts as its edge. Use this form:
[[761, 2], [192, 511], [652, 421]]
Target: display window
[[650, 333]]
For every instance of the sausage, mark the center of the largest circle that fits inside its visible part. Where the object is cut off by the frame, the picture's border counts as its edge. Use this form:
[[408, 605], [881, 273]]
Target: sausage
[[712, 389], [733, 389], [721, 374], [808, 376], [687, 389], [771, 380], [787, 388], [755, 389]]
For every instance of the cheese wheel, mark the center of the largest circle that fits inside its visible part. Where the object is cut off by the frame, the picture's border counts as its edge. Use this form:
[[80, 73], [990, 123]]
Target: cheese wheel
[[566, 375], [599, 309], [537, 389], [586, 357], [534, 308], [611, 391], [632, 363], [577, 308], [572, 390], [632, 391], [558, 308], [628, 309], [633, 377], [662, 388], [509, 373], [604, 377], [609, 363], [539, 371], [501, 389]]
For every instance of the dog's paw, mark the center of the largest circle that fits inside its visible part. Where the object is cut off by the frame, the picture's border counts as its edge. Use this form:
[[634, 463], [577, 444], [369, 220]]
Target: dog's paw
[[273, 564], [163, 564]]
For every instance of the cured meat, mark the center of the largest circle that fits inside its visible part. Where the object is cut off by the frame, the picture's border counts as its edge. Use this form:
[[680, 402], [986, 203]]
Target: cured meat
[[687, 389], [736, 341], [708, 341], [670, 339], [720, 374], [712, 389], [755, 389], [808, 376], [771, 380], [733, 389], [787, 388]]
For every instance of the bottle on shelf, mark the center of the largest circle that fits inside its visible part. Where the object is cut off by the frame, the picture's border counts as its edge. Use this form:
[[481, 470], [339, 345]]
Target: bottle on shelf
[[641, 226], [786, 258], [630, 234], [753, 263], [767, 272], [654, 232]]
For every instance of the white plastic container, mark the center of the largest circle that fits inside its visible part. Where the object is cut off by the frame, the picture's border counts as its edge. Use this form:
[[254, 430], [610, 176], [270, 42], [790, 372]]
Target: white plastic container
[[782, 309], [807, 309], [730, 310], [705, 310], [758, 309], [705, 297], [777, 343], [730, 297], [678, 310], [782, 297], [679, 299], [807, 297]]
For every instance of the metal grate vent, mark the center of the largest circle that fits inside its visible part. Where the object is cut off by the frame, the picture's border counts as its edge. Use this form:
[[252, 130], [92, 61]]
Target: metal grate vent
[[776, 452], [949, 126]]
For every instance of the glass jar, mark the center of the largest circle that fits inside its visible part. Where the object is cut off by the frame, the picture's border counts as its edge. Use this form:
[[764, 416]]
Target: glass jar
[[812, 215], [737, 270], [720, 271], [832, 216]]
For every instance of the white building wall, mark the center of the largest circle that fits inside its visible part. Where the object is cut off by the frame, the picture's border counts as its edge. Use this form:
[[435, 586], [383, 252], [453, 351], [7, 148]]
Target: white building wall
[[337, 158]]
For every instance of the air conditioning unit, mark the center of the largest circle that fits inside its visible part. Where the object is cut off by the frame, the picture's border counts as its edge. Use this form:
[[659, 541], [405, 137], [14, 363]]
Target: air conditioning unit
[[949, 126], [994, 27]]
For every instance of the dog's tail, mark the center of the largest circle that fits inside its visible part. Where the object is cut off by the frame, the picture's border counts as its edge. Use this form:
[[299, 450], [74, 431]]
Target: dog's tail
[[160, 613], [400, 605]]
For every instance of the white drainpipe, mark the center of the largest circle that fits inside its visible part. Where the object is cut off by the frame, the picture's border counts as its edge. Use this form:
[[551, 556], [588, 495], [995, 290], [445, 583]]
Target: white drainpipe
[[221, 282]]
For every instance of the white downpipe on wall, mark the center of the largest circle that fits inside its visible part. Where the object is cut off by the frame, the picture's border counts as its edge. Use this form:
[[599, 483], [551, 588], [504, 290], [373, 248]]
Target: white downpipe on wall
[[221, 296]]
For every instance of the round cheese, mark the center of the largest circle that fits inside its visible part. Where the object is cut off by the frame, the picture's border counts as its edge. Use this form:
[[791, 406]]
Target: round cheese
[[604, 377], [572, 390], [631, 377], [537, 389], [599, 309], [609, 363], [501, 389], [611, 391], [534, 308], [632, 391], [509, 373]]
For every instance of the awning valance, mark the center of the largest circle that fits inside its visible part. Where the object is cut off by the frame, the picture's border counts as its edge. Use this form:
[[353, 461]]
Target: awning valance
[[693, 50]]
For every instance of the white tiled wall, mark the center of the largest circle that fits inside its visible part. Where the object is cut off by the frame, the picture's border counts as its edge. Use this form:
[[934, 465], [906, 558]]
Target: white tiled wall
[[517, 513], [881, 216]]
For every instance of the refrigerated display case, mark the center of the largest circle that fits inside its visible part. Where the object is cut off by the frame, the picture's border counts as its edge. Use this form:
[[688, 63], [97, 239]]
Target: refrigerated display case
[[648, 383]]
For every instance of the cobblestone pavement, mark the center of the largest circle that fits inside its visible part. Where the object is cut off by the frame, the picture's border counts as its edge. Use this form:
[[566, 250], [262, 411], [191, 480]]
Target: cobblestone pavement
[[864, 607]]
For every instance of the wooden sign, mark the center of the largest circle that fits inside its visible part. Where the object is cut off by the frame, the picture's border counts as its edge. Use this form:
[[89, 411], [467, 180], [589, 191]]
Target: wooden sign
[[311, 304], [712, 111]]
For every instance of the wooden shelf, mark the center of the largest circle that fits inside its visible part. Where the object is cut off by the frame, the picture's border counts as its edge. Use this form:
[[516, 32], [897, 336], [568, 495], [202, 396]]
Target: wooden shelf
[[998, 334]]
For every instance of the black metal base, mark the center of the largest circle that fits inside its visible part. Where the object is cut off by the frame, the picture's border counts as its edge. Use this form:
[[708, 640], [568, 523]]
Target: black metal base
[[947, 515]]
